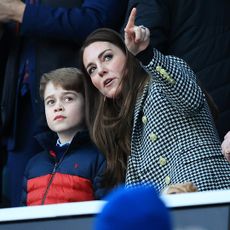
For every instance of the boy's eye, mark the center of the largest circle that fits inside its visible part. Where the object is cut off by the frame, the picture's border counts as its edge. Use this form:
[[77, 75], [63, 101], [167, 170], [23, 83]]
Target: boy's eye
[[50, 102], [67, 99]]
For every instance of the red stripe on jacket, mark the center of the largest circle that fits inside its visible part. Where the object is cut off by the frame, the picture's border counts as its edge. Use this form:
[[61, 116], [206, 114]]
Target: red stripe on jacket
[[64, 188]]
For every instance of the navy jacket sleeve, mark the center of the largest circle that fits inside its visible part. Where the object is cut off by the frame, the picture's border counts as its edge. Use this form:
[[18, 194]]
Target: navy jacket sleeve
[[24, 191], [98, 182], [74, 23]]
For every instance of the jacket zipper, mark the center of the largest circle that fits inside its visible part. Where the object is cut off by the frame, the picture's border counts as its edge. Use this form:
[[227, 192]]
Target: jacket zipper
[[50, 182], [52, 176]]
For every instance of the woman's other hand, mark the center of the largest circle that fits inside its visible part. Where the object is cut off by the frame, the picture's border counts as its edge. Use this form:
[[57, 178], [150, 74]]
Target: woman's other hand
[[225, 146]]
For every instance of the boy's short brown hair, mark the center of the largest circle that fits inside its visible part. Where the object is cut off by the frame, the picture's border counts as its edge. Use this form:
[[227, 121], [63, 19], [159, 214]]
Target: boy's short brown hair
[[68, 78]]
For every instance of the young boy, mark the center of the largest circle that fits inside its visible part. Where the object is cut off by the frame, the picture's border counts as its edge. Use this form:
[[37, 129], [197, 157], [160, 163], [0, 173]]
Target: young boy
[[70, 168]]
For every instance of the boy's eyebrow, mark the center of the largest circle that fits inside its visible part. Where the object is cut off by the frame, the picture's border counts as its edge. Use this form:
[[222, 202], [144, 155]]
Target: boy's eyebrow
[[99, 56], [64, 93], [70, 92], [50, 96]]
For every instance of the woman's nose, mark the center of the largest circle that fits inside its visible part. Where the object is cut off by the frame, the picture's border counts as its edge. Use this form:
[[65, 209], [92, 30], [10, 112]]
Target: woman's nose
[[102, 71]]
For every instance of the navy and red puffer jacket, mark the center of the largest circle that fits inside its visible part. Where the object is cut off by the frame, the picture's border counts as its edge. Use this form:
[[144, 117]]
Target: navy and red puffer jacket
[[69, 174]]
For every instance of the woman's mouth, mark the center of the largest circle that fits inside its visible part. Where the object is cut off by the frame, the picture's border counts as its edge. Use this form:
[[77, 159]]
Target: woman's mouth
[[108, 82]]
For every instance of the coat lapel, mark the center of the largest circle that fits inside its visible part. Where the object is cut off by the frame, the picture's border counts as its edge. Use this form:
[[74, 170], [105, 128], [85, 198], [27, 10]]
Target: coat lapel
[[139, 105]]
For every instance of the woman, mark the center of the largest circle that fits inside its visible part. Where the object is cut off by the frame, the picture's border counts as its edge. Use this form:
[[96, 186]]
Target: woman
[[152, 114]]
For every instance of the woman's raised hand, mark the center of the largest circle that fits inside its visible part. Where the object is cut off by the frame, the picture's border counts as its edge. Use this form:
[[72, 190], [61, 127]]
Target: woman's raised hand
[[137, 38]]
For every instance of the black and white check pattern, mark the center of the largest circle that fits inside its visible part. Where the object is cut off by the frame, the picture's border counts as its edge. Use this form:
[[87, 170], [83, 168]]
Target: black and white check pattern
[[178, 115]]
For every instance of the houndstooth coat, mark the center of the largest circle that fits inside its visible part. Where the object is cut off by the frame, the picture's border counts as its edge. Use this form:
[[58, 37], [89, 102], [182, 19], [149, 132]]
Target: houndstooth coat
[[174, 139]]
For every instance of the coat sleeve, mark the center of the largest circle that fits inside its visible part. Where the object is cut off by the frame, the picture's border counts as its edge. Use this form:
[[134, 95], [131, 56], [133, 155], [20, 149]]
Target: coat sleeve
[[73, 23], [175, 79]]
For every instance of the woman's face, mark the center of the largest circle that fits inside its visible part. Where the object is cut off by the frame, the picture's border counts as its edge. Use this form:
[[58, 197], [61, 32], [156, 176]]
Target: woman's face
[[104, 62]]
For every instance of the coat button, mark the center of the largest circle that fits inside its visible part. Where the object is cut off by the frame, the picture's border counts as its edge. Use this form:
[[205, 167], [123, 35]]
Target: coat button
[[158, 68], [167, 180], [153, 137], [172, 81], [163, 72], [162, 161], [144, 120]]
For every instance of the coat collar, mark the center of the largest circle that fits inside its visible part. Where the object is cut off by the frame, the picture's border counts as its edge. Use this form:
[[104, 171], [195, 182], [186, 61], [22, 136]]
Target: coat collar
[[48, 139]]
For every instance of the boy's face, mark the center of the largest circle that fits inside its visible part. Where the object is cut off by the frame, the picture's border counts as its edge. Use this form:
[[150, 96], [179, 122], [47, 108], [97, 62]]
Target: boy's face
[[64, 111]]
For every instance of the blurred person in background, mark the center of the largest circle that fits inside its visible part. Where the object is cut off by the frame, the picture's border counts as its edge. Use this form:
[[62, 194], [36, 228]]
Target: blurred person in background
[[133, 209]]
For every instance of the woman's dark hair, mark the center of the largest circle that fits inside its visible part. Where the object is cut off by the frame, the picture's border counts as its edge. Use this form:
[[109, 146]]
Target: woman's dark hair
[[110, 120]]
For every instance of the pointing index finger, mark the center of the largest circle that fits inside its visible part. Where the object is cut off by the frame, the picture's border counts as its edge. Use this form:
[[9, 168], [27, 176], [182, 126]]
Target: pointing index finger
[[131, 21]]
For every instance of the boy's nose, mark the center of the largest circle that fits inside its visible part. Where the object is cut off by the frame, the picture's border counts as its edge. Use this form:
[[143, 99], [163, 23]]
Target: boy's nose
[[58, 108]]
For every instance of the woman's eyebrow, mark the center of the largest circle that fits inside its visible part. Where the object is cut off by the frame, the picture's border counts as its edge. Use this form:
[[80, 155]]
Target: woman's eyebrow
[[99, 56]]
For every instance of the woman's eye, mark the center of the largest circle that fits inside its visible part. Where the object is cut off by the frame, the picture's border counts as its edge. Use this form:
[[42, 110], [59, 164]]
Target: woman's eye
[[91, 70], [108, 57]]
